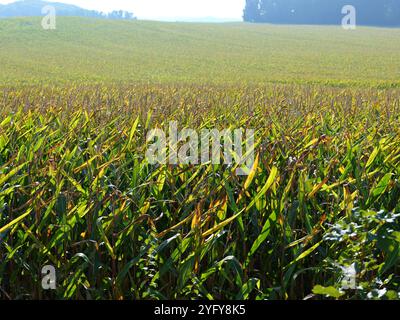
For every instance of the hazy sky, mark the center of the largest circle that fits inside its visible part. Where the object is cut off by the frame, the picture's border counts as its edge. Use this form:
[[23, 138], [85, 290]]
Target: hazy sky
[[164, 9]]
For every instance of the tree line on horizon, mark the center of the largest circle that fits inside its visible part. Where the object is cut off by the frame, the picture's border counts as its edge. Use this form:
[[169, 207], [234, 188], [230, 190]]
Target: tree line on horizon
[[28, 8], [368, 12]]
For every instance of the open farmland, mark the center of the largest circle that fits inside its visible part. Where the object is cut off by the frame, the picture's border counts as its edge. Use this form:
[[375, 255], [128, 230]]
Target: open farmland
[[77, 192], [90, 50]]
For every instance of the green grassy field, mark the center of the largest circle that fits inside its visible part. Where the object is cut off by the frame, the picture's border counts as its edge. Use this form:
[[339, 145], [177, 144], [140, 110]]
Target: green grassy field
[[77, 192], [96, 50]]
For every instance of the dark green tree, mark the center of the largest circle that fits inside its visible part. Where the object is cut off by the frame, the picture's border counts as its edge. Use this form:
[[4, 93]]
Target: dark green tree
[[368, 12], [252, 11]]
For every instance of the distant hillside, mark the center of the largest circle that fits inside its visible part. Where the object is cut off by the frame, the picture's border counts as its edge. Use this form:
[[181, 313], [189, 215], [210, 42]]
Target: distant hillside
[[104, 50], [32, 8]]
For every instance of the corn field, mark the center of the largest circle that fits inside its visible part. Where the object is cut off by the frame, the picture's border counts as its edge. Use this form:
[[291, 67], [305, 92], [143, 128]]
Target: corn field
[[77, 193]]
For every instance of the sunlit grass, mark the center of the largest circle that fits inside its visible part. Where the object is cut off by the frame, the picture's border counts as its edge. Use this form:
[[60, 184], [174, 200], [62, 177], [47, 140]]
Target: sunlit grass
[[91, 50]]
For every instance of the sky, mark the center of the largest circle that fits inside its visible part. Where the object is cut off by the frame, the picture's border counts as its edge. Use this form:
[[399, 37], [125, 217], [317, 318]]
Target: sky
[[165, 9]]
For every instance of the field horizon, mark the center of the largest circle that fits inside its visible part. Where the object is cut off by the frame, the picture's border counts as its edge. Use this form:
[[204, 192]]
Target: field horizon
[[93, 50]]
